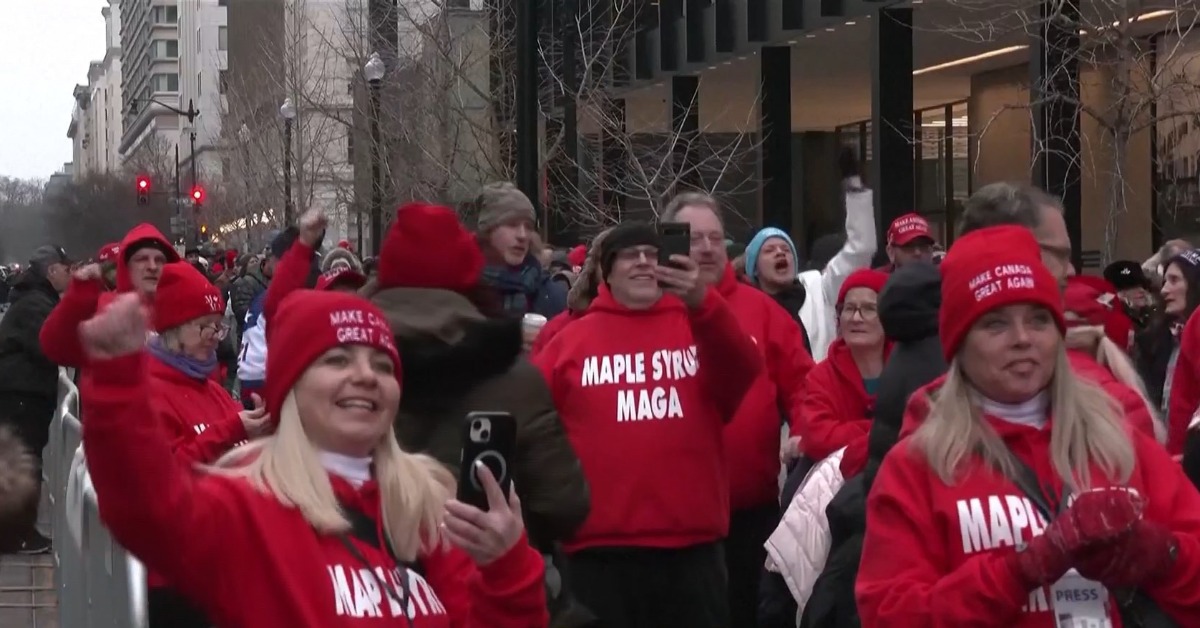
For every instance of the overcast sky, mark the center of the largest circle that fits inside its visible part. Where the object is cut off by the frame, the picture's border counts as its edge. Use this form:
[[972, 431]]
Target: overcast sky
[[44, 53]]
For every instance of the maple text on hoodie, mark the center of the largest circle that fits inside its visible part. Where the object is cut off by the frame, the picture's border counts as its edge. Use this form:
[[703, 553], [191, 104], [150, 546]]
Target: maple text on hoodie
[[752, 437], [251, 562], [59, 336], [644, 395], [937, 554]]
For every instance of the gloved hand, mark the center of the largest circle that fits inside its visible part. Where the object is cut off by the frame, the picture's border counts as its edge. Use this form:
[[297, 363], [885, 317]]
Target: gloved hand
[[1143, 554], [1095, 518]]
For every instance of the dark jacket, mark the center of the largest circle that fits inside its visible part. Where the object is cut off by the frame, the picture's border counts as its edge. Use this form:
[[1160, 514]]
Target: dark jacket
[[456, 361], [792, 300], [243, 292], [24, 369], [908, 309]]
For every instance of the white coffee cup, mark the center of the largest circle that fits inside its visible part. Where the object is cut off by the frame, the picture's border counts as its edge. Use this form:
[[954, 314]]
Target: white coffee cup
[[531, 326]]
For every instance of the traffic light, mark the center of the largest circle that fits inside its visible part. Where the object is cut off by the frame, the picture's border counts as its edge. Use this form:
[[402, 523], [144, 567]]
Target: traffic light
[[143, 189], [197, 195]]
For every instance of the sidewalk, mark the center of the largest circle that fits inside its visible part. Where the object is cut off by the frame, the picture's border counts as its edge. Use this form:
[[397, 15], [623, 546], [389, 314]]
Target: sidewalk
[[27, 596]]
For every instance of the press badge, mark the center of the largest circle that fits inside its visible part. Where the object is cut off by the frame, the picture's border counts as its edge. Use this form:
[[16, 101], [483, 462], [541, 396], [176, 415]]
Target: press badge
[[1079, 602]]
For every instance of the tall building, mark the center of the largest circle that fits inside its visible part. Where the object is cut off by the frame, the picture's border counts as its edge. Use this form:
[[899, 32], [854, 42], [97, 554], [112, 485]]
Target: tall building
[[203, 62], [150, 70], [95, 129]]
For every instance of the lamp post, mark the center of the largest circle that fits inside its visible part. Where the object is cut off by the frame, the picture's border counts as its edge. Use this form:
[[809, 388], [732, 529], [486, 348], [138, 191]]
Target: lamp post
[[244, 137], [288, 112], [374, 71]]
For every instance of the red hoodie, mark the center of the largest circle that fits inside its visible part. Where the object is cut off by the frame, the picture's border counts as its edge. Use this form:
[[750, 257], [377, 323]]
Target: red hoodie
[[551, 329], [644, 395], [1185, 386], [248, 561], [201, 418], [291, 274], [60, 335], [752, 438], [1137, 414], [937, 555], [837, 409]]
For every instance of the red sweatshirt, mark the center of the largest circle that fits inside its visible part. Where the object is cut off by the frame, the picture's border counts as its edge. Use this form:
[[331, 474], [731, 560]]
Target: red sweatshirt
[[201, 418], [935, 555], [1185, 386], [644, 395], [1137, 414], [60, 333], [291, 274], [752, 438], [249, 561], [837, 409]]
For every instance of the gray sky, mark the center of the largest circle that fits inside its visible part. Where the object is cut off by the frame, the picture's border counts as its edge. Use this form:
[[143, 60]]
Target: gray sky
[[44, 53]]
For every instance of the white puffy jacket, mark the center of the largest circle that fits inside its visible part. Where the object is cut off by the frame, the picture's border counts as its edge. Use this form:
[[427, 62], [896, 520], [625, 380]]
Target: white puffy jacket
[[799, 546], [821, 286]]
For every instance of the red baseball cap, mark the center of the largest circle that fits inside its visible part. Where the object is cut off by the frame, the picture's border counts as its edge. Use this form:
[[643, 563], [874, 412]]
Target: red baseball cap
[[907, 228], [109, 252]]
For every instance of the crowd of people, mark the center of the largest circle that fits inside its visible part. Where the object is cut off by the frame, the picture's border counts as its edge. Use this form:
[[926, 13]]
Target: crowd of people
[[733, 437]]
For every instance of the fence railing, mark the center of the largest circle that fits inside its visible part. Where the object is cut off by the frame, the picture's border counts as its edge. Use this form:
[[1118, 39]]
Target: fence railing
[[99, 584]]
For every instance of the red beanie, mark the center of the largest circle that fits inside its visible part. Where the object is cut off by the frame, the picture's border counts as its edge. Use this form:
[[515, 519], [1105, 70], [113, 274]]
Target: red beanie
[[989, 269], [862, 278], [428, 247], [343, 275], [1093, 302], [577, 256], [109, 252], [345, 244], [308, 324], [184, 295]]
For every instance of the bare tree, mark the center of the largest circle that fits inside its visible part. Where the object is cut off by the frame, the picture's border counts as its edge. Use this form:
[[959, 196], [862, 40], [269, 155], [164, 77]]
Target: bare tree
[[84, 215], [1137, 75], [20, 213]]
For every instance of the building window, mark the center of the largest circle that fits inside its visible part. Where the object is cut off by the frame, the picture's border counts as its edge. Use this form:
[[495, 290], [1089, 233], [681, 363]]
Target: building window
[[222, 38], [350, 147], [165, 49], [222, 3], [222, 81], [199, 83], [165, 82], [165, 15]]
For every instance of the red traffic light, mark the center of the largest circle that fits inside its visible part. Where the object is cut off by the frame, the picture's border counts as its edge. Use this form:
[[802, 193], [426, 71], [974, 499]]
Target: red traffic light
[[143, 183], [197, 194]]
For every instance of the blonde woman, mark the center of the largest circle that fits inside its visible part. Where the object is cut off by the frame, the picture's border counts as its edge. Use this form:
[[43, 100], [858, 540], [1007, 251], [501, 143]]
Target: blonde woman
[[1025, 499], [325, 524]]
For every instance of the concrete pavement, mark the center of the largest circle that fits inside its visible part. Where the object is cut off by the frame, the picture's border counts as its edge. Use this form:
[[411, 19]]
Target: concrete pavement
[[27, 595]]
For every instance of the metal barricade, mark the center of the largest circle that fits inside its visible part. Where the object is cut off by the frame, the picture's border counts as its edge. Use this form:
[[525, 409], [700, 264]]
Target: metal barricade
[[99, 584]]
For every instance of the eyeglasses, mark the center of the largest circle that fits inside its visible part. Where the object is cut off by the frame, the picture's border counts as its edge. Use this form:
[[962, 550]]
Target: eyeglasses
[[214, 330], [866, 312]]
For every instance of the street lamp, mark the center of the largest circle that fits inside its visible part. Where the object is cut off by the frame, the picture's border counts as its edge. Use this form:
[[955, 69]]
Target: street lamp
[[244, 137], [374, 71], [288, 112]]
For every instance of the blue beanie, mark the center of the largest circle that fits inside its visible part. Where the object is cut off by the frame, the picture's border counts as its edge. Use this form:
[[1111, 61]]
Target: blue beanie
[[756, 245]]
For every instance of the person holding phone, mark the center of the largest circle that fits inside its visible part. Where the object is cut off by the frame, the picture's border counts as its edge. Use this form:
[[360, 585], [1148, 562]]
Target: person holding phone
[[325, 523], [645, 383]]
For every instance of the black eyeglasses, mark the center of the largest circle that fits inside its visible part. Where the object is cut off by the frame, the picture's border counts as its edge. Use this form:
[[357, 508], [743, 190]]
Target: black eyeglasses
[[214, 330]]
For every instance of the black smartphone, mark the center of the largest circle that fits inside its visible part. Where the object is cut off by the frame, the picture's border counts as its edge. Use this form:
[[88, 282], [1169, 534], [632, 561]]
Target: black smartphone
[[674, 238], [490, 438]]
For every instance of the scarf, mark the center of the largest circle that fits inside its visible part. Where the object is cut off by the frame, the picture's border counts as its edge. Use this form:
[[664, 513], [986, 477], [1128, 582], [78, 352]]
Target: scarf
[[518, 287], [189, 366]]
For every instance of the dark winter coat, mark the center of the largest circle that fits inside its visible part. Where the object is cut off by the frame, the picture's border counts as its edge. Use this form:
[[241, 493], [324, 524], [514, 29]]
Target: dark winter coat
[[243, 292], [457, 361], [24, 369], [792, 300]]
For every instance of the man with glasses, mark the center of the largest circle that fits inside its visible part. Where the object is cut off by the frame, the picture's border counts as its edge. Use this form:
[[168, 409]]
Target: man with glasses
[[28, 379], [908, 240]]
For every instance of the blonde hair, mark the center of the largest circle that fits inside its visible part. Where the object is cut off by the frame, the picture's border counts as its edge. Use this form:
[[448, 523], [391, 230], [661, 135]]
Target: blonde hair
[[1087, 428], [1092, 340], [413, 487]]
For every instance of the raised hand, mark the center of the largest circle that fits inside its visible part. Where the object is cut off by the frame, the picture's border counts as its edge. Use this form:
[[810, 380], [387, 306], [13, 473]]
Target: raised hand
[[1095, 519], [117, 331], [312, 225], [91, 272], [683, 281]]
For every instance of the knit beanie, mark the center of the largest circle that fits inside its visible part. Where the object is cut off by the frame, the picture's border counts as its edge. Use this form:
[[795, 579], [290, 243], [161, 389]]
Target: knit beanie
[[501, 202], [755, 247], [308, 324], [623, 236], [341, 256], [184, 294], [862, 278], [428, 247], [578, 255], [989, 269], [580, 296], [1188, 262]]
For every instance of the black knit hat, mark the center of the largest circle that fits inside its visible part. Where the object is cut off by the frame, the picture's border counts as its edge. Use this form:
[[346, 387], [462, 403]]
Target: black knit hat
[[284, 241], [1126, 274], [624, 236]]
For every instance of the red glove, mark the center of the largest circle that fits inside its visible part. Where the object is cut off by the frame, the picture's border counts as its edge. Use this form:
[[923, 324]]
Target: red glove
[[1094, 518], [1145, 553]]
